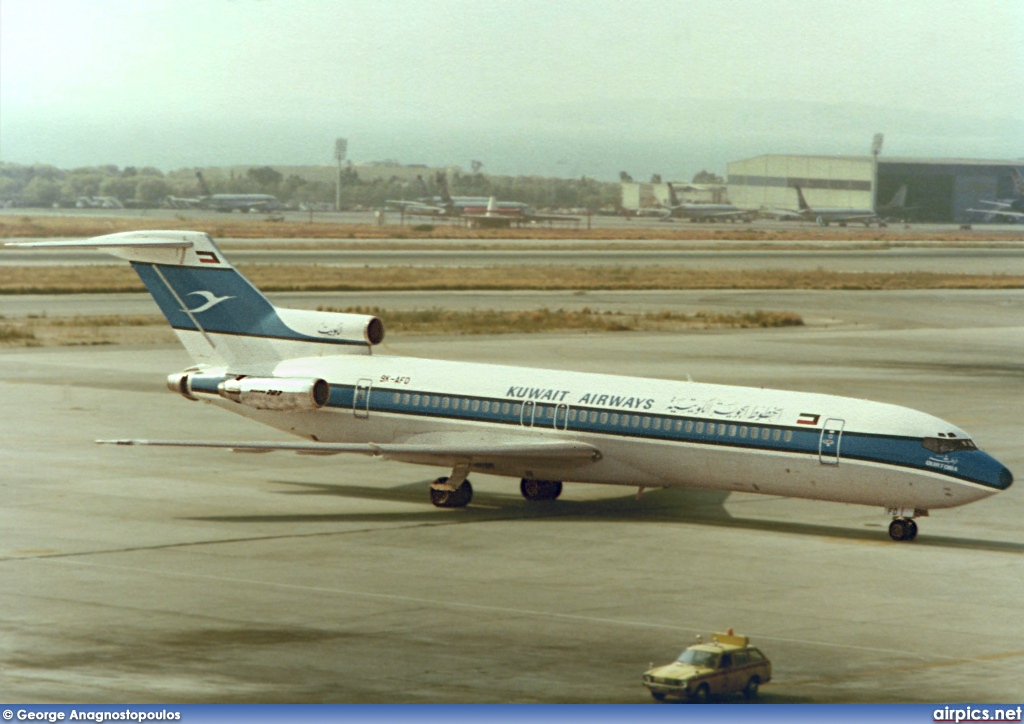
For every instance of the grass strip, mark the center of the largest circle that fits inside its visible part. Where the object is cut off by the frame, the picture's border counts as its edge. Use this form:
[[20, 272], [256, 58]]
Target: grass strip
[[153, 329], [316, 278], [239, 226]]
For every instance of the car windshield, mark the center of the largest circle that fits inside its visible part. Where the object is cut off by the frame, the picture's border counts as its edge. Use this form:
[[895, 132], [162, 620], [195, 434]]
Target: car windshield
[[696, 657]]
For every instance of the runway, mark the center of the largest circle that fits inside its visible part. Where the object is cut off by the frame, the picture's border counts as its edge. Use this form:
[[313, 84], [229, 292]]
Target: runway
[[157, 575]]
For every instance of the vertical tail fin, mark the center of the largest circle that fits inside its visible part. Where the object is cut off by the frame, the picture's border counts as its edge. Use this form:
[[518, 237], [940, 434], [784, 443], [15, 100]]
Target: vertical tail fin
[[801, 201], [220, 317], [1018, 182], [673, 197]]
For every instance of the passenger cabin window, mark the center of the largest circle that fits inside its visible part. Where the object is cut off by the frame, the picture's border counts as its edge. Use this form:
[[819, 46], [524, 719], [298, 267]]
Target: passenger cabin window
[[943, 446]]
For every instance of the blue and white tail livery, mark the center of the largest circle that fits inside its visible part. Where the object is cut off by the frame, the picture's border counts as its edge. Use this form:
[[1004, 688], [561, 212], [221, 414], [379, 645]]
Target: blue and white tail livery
[[220, 317], [311, 374]]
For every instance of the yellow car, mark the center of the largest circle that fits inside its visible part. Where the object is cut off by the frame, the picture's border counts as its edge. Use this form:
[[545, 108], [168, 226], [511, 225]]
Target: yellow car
[[725, 665]]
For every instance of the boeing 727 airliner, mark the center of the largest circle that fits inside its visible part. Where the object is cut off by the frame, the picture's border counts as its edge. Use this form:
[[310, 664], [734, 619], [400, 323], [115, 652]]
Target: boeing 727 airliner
[[313, 374]]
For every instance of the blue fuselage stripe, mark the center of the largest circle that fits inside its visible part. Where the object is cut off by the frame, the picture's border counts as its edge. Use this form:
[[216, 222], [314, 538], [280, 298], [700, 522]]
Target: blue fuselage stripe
[[904, 452]]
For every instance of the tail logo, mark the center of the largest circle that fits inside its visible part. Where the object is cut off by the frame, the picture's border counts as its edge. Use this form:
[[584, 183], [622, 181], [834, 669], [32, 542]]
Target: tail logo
[[211, 301]]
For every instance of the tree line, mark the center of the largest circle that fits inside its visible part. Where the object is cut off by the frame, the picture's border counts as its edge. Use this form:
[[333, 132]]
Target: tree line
[[41, 185]]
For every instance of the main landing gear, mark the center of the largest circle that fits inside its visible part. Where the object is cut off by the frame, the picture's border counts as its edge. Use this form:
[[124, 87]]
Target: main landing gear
[[453, 491], [540, 489], [903, 526]]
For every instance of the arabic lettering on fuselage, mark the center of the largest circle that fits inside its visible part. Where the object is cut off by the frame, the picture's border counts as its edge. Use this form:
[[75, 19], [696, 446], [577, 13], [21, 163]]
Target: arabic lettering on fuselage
[[728, 409]]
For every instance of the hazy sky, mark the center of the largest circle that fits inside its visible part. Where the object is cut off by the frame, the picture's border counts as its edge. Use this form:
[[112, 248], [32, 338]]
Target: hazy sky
[[549, 87]]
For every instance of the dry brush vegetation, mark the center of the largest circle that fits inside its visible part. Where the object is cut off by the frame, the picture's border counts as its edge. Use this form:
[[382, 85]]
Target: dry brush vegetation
[[152, 329], [244, 227], [301, 278]]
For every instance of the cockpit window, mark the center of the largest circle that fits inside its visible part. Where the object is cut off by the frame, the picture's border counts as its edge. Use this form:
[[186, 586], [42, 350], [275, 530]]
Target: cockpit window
[[943, 446]]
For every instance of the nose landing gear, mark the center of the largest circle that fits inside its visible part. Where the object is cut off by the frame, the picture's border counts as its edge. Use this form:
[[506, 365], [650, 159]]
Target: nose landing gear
[[903, 526], [903, 529]]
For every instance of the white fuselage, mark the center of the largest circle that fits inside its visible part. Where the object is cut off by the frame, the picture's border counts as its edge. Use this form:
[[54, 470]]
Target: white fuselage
[[650, 433]]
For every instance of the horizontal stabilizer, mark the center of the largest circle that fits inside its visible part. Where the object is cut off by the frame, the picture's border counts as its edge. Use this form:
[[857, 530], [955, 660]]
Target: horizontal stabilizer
[[106, 242]]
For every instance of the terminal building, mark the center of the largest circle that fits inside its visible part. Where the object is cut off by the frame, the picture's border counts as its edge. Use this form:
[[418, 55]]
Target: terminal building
[[939, 190]]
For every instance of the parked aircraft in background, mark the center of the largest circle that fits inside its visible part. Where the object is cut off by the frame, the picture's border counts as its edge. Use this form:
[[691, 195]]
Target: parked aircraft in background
[[474, 208], [703, 212], [825, 216], [313, 375], [842, 216], [1011, 209]]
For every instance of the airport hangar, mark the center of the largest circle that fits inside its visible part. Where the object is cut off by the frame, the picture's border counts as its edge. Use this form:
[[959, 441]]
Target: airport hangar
[[938, 189]]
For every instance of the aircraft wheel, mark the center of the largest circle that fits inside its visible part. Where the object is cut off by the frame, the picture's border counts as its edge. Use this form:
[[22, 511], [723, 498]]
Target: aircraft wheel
[[903, 529], [444, 498], [540, 489]]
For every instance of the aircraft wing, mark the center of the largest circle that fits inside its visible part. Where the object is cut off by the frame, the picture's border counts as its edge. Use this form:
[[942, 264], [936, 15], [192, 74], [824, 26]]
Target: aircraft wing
[[552, 217], [441, 453], [417, 207], [999, 212], [781, 214]]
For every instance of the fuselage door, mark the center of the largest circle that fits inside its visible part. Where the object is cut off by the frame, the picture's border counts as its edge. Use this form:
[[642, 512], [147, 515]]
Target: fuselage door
[[561, 416], [361, 398], [831, 438]]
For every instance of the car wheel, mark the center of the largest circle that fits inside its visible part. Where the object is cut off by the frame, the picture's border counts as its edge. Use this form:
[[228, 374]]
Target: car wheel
[[750, 690], [658, 695], [700, 696]]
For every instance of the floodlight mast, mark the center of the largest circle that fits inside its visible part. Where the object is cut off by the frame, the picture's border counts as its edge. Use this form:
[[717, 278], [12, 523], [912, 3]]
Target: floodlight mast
[[340, 148], [876, 148]]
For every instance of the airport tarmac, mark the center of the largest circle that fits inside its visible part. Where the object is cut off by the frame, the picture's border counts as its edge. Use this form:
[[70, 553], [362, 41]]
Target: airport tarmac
[[171, 576]]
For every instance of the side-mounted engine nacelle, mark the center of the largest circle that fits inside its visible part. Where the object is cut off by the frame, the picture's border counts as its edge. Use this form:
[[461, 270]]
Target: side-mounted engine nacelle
[[283, 394], [274, 393]]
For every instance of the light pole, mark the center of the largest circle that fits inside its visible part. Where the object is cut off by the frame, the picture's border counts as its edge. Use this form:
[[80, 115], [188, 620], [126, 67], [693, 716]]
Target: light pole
[[876, 148], [340, 147]]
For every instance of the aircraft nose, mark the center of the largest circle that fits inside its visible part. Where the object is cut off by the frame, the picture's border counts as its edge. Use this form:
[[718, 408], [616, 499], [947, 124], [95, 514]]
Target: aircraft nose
[[1005, 478]]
